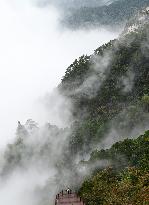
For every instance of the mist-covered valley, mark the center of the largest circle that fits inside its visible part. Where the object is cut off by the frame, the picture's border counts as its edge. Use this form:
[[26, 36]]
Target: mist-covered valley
[[73, 104]]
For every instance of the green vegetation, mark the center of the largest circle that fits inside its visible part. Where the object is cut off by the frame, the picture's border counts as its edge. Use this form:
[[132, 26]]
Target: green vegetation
[[127, 153], [129, 185], [117, 97]]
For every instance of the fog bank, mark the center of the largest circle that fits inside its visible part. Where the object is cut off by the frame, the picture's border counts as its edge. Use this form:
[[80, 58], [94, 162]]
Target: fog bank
[[35, 53]]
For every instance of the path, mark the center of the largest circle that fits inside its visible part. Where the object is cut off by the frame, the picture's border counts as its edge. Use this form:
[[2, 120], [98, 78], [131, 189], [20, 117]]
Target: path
[[63, 198]]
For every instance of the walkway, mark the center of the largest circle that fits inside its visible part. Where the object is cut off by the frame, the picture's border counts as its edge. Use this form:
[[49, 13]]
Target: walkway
[[64, 198]]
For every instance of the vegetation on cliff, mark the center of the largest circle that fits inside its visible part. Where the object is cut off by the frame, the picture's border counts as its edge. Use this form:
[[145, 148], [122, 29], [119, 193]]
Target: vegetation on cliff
[[124, 182]]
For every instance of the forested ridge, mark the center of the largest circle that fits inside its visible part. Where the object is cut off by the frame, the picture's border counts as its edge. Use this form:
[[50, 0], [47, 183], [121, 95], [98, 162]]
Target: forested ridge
[[116, 14], [109, 88], [110, 94]]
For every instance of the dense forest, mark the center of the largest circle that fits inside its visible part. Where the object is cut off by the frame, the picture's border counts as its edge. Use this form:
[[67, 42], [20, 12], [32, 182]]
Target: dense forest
[[116, 13], [109, 90], [110, 95], [126, 180]]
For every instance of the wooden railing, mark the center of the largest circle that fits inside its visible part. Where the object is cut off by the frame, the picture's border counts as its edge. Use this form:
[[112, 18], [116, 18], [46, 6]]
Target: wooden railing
[[68, 197]]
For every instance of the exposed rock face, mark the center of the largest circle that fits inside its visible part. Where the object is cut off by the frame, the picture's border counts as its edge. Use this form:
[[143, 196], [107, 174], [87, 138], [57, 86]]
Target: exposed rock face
[[137, 22]]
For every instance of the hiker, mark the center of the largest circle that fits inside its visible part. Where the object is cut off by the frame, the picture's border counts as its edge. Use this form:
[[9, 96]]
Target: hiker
[[56, 201], [68, 191]]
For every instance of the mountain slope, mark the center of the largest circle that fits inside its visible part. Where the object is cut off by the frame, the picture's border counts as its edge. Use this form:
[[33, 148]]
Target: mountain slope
[[115, 14], [107, 89], [128, 185]]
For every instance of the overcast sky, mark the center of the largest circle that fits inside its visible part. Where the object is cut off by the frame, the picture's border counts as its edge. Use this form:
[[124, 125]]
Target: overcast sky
[[34, 54]]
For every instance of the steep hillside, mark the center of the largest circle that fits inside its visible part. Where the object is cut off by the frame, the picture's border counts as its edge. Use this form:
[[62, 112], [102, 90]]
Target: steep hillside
[[128, 185], [114, 14], [110, 89]]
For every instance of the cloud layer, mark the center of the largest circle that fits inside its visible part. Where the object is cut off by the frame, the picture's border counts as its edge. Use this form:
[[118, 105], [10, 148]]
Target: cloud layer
[[35, 53]]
